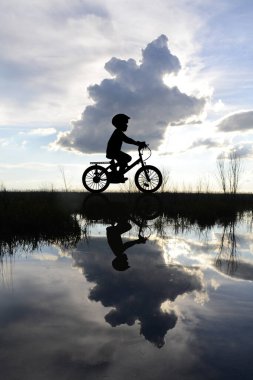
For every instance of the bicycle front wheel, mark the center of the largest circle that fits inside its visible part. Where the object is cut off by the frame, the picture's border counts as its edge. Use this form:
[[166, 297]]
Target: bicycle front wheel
[[95, 179], [148, 179]]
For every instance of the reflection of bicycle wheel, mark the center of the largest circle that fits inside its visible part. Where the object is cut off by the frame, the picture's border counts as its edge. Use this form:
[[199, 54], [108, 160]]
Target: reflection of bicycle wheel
[[95, 179], [148, 179], [96, 206], [148, 206]]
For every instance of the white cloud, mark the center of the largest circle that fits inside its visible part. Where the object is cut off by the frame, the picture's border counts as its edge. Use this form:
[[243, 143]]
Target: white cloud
[[4, 142], [52, 50], [42, 131], [40, 166], [46, 50], [140, 92]]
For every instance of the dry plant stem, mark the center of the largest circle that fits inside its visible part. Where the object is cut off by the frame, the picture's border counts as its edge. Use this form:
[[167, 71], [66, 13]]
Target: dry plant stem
[[229, 172], [166, 176], [62, 171]]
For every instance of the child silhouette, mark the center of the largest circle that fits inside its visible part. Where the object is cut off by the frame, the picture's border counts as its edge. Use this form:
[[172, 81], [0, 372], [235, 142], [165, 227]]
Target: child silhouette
[[114, 145]]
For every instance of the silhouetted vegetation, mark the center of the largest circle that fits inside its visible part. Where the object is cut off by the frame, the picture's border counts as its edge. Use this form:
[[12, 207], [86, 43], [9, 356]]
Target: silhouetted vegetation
[[28, 219], [194, 208]]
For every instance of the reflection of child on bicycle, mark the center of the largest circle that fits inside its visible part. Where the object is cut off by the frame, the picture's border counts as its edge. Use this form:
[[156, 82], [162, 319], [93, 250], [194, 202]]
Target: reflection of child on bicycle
[[114, 145], [117, 246]]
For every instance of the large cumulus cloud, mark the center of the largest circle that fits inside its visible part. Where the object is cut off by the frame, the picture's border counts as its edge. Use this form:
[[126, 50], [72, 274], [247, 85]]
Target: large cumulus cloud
[[139, 91]]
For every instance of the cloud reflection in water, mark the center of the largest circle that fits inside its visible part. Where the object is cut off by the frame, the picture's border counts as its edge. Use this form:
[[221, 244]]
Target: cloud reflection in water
[[137, 295]]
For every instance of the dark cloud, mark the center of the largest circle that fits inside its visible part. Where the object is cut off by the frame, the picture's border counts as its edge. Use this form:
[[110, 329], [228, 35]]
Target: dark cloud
[[207, 143], [243, 150], [45, 334], [139, 91], [236, 268], [137, 294], [241, 121]]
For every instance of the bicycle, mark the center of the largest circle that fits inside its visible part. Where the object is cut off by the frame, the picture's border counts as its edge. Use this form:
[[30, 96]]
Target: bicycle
[[96, 178], [142, 211]]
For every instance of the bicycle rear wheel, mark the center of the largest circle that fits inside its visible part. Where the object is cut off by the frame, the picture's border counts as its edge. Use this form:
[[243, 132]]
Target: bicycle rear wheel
[[95, 179], [148, 179]]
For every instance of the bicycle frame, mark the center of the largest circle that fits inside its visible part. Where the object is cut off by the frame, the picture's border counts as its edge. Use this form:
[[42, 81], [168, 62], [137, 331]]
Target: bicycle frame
[[113, 165], [139, 160], [136, 162]]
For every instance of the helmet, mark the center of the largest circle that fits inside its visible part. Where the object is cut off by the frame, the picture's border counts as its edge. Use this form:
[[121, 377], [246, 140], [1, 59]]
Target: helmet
[[120, 263], [120, 119]]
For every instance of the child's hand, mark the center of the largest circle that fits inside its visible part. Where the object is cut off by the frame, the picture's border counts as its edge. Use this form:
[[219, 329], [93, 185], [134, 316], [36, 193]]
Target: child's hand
[[141, 144]]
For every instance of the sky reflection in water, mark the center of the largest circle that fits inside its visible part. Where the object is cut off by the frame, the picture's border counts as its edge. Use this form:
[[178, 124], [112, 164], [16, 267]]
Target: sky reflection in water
[[184, 308]]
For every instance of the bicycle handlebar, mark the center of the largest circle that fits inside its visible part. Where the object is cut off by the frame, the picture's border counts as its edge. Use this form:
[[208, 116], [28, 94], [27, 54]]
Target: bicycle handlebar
[[143, 147], [147, 147]]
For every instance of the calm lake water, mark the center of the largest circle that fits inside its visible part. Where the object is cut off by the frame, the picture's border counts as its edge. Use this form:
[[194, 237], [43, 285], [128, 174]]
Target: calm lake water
[[182, 310]]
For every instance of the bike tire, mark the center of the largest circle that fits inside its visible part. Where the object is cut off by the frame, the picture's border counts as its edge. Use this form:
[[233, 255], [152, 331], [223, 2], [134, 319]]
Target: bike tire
[[151, 184], [95, 179]]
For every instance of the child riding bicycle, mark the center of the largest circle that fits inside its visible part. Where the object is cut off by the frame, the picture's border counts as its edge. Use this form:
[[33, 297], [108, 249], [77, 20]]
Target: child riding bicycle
[[113, 151]]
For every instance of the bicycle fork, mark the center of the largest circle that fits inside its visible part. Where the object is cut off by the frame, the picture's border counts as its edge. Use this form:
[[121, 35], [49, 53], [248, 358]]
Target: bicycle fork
[[146, 171]]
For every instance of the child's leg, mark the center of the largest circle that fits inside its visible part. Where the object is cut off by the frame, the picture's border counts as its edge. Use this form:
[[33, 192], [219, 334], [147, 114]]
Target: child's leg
[[123, 159]]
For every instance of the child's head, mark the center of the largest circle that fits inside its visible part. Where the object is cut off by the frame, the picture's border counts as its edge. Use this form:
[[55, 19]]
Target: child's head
[[120, 263], [120, 121]]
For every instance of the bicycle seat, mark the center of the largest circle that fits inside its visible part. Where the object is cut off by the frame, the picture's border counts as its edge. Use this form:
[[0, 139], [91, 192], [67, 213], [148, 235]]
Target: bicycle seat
[[100, 162]]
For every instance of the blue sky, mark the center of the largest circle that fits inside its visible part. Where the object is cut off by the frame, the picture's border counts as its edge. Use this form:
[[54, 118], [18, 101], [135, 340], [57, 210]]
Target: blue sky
[[182, 69]]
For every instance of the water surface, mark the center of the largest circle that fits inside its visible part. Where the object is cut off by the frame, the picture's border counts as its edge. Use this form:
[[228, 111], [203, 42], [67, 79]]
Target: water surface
[[182, 310]]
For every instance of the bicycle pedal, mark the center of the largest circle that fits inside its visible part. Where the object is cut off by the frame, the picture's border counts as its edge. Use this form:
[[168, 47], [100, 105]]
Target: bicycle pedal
[[146, 184]]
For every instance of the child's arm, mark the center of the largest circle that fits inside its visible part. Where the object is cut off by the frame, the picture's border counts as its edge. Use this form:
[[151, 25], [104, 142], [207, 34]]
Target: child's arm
[[128, 140]]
